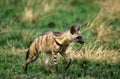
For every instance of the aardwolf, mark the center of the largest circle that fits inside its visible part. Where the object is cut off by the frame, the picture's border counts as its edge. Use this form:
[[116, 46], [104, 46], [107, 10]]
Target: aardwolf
[[52, 43]]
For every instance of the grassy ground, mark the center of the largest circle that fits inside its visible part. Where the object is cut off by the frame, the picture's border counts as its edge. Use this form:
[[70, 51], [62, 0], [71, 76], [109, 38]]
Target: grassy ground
[[22, 21]]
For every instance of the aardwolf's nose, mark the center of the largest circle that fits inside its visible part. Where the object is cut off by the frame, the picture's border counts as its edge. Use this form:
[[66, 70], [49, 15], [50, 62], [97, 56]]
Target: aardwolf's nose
[[80, 40]]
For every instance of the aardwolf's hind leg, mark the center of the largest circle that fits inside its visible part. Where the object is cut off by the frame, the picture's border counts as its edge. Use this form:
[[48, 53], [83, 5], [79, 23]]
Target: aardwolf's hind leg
[[29, 59], [47, 60], [26, 65]]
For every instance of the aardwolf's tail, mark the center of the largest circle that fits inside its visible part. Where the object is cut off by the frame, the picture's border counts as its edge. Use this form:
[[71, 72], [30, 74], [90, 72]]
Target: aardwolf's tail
[[27, 54]]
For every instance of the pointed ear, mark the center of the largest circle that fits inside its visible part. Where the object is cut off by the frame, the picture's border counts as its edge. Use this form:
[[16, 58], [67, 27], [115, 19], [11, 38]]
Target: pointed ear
[[77, 27], [72, 30]]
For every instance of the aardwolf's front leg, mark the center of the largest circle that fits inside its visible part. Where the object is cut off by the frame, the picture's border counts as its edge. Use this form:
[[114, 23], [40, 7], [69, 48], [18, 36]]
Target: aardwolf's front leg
[[67, 59], [55, 61]]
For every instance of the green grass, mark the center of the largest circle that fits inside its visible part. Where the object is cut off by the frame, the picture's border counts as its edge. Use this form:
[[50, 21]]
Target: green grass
[[12, 67], [100, 53]]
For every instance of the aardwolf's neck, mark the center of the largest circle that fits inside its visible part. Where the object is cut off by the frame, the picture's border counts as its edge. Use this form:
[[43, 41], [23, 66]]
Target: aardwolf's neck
[[62, 37]]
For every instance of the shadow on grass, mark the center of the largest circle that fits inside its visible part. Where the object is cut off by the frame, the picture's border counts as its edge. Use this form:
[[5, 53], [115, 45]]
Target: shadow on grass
[[94, 69], [78, 69], [12, 67]]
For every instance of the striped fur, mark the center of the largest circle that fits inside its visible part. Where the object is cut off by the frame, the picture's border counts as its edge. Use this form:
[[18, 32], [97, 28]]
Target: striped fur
[[53, 43]]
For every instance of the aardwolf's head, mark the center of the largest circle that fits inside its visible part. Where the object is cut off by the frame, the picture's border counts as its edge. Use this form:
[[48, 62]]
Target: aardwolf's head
[[76, 35]]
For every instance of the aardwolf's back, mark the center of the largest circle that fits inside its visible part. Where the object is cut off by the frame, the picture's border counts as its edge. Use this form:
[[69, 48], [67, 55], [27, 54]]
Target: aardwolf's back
[[45, 42]]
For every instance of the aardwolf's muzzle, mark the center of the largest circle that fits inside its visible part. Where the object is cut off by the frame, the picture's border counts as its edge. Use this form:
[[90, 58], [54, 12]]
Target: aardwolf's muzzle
[[80, 40]]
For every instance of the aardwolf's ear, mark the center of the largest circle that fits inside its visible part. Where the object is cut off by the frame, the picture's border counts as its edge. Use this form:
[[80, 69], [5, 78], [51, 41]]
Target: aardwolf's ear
[[77, 27], [72, 30]]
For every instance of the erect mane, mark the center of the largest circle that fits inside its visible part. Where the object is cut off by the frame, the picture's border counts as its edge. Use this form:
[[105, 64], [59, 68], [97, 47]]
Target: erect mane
[[57, 33]]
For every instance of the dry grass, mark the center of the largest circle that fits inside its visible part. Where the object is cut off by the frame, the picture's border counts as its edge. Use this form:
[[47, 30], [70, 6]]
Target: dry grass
[[104, 32], [101, 54], [38, 8]]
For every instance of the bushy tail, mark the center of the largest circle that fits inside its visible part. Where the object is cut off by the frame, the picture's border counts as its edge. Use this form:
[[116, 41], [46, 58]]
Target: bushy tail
[[27, 54]]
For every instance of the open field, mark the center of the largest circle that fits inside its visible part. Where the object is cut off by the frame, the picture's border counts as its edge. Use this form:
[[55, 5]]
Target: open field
[[22, 21]]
